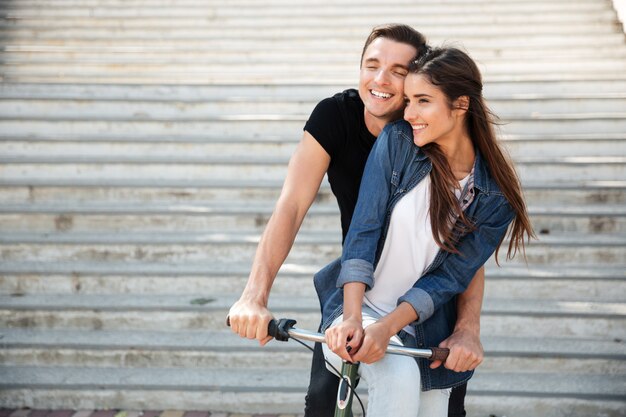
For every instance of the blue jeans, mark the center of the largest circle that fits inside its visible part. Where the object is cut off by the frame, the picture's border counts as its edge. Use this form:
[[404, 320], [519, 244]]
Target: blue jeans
[[394, 381], [323, 386]]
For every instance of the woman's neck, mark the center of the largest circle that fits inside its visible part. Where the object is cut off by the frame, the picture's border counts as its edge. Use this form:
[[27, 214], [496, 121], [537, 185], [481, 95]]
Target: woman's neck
[[460, 154]]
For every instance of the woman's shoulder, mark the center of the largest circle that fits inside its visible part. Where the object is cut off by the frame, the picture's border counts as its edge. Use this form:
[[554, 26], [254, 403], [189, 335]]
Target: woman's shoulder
[[483, 178], [399, 131]]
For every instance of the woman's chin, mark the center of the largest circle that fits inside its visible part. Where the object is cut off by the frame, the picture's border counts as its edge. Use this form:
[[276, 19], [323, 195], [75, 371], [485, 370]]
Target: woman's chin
[[419, 141]]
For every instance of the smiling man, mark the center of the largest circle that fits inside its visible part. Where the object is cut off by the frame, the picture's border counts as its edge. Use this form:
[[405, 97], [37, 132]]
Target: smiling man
[[337, 140]]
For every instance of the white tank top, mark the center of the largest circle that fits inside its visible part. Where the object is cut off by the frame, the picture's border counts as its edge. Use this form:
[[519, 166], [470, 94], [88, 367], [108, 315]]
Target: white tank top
[[408, 250]]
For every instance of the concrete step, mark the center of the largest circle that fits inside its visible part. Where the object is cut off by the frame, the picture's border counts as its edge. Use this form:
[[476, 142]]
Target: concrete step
[[573, 283], [227, 246], [224, 349], [41, 146], [232, 48], [502, 317], [112, 109], [283, 392], [179, 29], [303, 11], [516, 90], [171, 217], [496, 68], [480, 45], [201, 167], [186, 78], [108, 191], [240, 125], [71, 45], [248, 3]]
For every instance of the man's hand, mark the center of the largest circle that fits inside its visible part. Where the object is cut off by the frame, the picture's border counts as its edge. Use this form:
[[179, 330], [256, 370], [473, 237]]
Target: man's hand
[[466, 351], [250, 320]]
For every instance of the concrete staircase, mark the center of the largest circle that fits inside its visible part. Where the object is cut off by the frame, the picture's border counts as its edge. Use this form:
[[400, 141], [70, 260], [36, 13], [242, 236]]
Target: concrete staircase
[[142, 147]]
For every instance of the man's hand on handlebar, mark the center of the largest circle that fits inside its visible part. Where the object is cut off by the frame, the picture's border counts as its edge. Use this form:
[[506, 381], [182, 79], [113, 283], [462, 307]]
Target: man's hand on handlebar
[[249, 319], [466, 351]]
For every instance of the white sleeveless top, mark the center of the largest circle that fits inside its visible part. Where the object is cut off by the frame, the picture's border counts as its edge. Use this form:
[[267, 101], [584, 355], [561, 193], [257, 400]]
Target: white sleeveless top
[[408, 250]]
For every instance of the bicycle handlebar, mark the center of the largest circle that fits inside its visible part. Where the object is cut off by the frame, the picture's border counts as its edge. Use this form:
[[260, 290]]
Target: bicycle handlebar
[[283, 329]]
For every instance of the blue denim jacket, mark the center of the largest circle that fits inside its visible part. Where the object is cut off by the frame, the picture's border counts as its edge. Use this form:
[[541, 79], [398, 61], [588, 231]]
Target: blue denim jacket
[[396, 165]]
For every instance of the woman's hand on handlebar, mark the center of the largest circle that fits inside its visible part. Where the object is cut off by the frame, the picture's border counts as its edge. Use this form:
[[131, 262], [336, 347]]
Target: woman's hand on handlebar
[[250, 319], [375, 342], [345, 338]]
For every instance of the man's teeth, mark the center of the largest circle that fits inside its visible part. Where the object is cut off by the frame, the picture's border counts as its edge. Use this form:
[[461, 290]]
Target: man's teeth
[[380, 94]]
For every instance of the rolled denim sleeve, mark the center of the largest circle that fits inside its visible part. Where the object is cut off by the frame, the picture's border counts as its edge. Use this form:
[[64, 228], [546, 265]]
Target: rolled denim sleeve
[[361, 243], [356, 270], [455, 273]]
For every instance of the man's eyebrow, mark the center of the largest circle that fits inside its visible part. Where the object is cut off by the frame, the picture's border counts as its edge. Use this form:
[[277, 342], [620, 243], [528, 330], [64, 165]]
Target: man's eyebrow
[[371, 60]]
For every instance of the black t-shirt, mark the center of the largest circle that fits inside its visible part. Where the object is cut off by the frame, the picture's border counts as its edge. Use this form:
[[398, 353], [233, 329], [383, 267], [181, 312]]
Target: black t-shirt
[[338, 124]]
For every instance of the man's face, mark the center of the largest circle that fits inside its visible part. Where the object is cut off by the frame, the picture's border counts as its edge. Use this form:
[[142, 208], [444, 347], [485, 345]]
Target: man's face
[[381, 82]]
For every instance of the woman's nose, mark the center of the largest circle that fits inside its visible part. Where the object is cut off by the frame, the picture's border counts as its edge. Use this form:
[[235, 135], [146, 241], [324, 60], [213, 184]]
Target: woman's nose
[[409, 113]]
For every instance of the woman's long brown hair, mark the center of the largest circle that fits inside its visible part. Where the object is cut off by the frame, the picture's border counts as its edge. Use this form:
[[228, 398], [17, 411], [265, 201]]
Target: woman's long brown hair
[[456, 75]]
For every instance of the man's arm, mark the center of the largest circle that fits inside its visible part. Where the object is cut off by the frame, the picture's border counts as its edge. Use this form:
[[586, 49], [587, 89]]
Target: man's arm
[[466, 351], [249, 316]]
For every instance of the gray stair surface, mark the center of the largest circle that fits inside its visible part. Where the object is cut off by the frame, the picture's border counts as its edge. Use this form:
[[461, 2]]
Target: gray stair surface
[[143, 145]]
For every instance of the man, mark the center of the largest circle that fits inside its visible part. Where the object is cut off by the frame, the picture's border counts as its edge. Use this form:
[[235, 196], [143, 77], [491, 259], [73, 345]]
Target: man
[[337, 140]]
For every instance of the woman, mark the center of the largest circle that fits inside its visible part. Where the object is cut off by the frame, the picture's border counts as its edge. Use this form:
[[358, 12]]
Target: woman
[[437, 198]]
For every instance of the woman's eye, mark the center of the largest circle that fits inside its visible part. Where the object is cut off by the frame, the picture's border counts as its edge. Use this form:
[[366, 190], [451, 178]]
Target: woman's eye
[[423, 100]]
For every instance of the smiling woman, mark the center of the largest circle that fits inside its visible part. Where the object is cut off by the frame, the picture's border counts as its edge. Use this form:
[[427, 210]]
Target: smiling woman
[[436, 201]]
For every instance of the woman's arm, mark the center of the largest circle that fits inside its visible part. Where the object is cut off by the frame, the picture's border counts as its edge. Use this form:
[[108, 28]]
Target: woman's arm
[[361, 243], [376, 336], [350, 331], [455, 273]]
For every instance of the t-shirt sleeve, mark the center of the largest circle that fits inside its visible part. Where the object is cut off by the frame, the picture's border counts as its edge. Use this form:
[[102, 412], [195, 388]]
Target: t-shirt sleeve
[[327, 127]]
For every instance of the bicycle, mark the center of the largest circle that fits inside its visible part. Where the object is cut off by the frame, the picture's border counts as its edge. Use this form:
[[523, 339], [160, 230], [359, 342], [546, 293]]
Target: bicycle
[[283, 330]]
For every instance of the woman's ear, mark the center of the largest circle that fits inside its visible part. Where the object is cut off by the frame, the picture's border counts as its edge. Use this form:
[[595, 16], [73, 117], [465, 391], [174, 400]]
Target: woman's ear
[[461, 104]]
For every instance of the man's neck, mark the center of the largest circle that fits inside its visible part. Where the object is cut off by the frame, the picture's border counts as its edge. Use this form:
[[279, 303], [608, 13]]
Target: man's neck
[[375, 124]]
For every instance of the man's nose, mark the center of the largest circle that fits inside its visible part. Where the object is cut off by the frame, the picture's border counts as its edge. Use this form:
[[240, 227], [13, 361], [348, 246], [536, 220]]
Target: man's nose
[[382, 77]]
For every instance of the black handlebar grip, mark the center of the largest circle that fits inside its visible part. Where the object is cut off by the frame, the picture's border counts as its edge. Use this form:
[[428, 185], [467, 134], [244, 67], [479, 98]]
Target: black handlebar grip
[[272, 328], [439, 354], [279, 330]]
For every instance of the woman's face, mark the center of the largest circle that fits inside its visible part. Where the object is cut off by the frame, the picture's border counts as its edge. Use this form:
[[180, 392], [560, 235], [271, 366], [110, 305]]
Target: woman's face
[[429, 113]]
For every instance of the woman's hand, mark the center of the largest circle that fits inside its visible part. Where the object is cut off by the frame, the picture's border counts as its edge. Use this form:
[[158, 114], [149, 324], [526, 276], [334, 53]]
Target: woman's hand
[[375, 341], [345, 337]]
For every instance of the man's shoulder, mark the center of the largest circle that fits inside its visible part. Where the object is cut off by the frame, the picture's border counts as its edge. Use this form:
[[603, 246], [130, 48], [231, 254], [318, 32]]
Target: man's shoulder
[[347, 99], [344, 101]]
